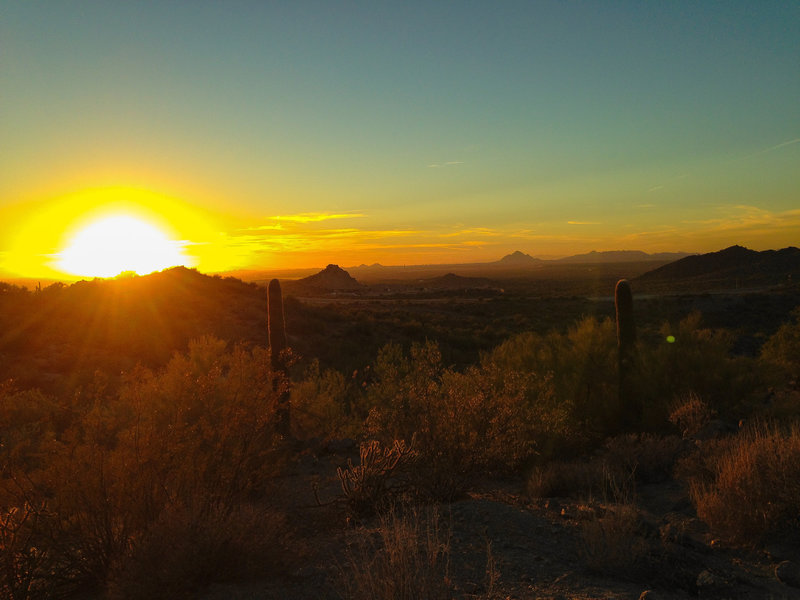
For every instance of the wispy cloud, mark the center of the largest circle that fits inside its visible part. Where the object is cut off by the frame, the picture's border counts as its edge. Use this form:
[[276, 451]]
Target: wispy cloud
[[773, 148], [479, 231], [742, 216], [583, 223], [312, 217], [449, 163]]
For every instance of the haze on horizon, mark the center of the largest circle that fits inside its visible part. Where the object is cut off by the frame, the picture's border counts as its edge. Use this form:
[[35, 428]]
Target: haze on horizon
[[269, 135]]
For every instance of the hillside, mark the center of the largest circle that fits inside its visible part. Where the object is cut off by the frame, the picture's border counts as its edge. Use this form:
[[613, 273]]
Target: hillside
[[61, 335], [734, 266], [620, 256]]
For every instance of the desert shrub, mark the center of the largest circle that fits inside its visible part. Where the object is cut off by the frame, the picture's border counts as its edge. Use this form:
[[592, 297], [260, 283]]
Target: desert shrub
[[583, 366], [325, 405], [574, 478], [198, 433], [611, 472], [188, 548], [782, 349], [752, 492], [29, 420], [696, 361], [689, 413], [649, 458], [482, 420], [614, 543], [406, 560], [27, 563]]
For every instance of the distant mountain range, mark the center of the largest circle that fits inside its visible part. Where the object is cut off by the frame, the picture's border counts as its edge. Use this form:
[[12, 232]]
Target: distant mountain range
[[737, 265]]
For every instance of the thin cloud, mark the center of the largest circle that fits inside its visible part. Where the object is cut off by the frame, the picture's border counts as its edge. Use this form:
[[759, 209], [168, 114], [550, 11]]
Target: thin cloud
[[583, 223], [449, 163], [773, 148], [482, 231], [312, 217]]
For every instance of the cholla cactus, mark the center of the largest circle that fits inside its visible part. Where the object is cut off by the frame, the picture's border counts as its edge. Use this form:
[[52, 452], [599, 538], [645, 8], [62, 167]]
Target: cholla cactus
[[277, 347], [377, 481], [630, 407]]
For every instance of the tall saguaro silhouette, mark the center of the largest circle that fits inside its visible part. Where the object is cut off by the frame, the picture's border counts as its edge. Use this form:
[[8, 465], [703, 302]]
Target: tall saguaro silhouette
[[277, 347], [630, 407]]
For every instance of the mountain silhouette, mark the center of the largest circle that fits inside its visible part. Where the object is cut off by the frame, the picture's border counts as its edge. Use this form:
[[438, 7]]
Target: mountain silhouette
[[518, 259], [736, 264], [332, 278]]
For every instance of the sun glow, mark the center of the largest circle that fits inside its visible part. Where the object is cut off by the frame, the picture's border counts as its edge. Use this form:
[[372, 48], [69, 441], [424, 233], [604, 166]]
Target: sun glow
[[121, 243]]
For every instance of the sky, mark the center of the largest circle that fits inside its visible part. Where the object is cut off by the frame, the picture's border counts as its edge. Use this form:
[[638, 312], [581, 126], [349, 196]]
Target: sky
[[268, 134]]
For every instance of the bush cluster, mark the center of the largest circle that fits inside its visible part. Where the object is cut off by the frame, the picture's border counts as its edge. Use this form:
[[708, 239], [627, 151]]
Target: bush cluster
[[100, 478]]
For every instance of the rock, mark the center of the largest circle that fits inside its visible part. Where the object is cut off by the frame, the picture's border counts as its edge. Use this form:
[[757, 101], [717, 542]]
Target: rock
[[789, 573], [781, 552], [708, 582]]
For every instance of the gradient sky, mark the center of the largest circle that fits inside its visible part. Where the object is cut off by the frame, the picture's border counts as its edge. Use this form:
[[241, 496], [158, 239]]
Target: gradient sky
[[271, 134]]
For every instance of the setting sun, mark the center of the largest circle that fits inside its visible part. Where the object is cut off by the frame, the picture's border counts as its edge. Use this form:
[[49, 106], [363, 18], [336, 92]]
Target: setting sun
[[116, 244]]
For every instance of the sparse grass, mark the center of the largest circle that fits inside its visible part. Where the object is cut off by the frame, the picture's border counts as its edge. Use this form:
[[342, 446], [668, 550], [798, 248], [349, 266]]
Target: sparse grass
[[753, 492], [624, 461], [568, 478], [650, 458], [613, 544], [406, 559]]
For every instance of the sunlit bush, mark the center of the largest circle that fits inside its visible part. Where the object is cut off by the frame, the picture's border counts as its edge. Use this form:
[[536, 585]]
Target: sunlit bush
[[483, 419], [199, 433], [751, 492], [326, 405]]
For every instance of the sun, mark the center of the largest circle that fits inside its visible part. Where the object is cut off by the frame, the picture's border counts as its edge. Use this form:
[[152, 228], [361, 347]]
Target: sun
[[111, 245]]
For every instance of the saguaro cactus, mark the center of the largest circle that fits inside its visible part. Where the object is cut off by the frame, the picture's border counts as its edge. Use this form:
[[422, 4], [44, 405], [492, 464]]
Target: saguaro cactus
[[277, 346], [630, 407]]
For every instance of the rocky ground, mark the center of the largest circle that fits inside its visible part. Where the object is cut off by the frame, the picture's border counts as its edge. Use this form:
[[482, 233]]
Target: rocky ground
[[505, 545]]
